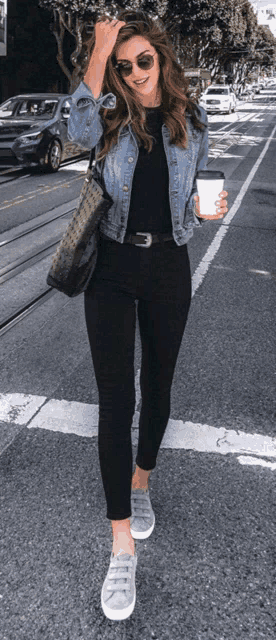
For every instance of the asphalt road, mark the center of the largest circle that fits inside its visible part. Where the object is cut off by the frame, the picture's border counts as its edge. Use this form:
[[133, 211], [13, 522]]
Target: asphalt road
[[208, 570]]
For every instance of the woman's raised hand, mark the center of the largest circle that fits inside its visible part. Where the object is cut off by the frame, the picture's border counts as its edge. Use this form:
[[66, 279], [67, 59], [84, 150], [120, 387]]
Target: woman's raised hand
[[106, 33]]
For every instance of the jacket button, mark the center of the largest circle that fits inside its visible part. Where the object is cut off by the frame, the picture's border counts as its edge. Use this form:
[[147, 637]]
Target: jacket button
[[130, 159], [125, 188]]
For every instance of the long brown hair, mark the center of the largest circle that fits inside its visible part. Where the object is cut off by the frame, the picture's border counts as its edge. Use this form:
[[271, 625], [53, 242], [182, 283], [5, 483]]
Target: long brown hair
[[174, 86]]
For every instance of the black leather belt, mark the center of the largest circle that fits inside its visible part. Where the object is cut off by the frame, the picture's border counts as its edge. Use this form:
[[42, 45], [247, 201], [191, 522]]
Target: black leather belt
[[147, 239]]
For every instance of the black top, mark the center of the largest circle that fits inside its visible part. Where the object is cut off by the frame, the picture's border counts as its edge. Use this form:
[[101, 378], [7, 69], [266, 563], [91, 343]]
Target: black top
[[149, 204]]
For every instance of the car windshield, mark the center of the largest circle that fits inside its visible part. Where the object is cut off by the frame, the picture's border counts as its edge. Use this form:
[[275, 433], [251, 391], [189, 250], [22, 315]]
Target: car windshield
[[217, 92], [43, 108]]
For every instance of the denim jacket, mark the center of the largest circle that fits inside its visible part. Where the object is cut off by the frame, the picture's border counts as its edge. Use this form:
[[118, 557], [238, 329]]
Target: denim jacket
[[85, 126]]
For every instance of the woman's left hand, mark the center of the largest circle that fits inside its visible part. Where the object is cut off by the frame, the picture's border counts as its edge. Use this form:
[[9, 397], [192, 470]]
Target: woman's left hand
[[221, 207]]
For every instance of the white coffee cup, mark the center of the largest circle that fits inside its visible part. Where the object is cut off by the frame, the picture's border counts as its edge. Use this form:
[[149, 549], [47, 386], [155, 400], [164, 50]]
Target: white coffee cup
[[209, 186]]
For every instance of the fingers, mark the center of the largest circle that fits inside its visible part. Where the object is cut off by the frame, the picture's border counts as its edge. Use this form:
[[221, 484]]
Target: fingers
[[113, 22], [223, 194], [106, 31], [221, 210]]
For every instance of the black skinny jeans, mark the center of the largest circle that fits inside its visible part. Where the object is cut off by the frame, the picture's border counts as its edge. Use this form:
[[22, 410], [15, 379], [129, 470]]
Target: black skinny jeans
[[159, 278]]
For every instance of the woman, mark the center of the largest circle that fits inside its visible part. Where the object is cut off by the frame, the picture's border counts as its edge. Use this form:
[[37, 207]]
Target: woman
[[150, 141]]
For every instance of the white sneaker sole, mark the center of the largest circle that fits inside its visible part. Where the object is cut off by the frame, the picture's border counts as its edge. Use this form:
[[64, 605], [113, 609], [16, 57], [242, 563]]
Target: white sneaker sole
[[142, 535], [118, 614]]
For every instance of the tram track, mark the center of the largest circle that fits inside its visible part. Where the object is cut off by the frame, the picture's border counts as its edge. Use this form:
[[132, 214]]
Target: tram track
[[37, 225], [11, 320], [231, 133], [65, 164], [19, 265], [31, 258]]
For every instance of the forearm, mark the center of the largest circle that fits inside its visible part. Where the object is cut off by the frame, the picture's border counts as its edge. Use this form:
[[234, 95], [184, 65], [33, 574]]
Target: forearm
[[95, 73]]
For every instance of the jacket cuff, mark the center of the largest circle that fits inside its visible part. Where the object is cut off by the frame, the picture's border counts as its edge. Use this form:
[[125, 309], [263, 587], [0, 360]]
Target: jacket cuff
[[194, 221], [83, 97], [199, 221]]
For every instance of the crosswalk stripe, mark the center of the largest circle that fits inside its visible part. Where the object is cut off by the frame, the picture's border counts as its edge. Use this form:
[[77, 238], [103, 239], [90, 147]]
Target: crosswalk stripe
[[39, 412]]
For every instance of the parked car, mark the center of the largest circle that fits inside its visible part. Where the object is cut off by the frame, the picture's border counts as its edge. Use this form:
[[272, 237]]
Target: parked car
[[33, 131], [219, 98]]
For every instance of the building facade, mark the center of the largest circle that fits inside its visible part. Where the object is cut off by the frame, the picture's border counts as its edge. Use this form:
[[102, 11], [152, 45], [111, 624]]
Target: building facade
[[266, 14], [3, 27]]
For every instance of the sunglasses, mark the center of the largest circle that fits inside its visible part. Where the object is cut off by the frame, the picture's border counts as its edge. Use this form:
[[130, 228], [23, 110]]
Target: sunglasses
[[145, 62]]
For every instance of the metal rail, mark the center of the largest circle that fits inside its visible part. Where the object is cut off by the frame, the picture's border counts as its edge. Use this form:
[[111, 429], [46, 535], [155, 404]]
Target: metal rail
[[10, 321], [31, 258], [64, 164], [34, 227]]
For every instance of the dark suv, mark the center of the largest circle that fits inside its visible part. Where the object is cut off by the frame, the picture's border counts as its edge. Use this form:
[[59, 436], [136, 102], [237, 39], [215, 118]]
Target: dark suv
[[33, 130]]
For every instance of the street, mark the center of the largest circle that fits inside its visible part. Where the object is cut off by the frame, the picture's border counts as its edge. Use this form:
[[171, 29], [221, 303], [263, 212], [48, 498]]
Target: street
[[208, 570]]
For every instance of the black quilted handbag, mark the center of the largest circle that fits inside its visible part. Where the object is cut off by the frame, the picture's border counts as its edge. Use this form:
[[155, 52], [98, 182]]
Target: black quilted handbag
[[75, 258]]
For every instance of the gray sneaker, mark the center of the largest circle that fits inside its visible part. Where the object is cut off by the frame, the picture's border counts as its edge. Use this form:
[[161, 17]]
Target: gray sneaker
[[142, 520], [118, 592]]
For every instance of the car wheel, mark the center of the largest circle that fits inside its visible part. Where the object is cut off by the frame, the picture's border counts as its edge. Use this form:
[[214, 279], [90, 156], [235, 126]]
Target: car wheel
[[53, 156]]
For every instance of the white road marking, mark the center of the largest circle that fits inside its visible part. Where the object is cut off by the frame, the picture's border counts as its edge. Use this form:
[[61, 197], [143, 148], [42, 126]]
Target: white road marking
[[262, 273], [81, 165], [204, 265], [256, 461], [47, 189], [37, 412], [19, 408]]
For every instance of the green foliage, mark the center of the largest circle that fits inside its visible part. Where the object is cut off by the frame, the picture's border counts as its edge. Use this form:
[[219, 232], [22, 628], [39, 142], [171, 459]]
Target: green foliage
[[215, 34]]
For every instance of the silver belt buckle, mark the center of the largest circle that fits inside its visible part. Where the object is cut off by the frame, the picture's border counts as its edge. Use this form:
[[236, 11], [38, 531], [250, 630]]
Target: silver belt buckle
[[148, 240]]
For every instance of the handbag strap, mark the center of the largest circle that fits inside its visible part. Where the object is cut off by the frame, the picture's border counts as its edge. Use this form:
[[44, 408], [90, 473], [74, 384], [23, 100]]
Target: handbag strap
[[96, 173], [92, 157]]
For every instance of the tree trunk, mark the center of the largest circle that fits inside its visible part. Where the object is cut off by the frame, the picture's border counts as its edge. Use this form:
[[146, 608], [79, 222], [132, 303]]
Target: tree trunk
[[59, 31], [77, 71]]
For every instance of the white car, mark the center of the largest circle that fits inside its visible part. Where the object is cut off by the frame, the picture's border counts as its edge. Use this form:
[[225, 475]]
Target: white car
[[219, 98]]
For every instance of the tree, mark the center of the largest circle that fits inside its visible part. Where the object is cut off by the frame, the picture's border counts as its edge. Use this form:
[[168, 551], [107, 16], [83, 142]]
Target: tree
[[220, 35], [265, 48]]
